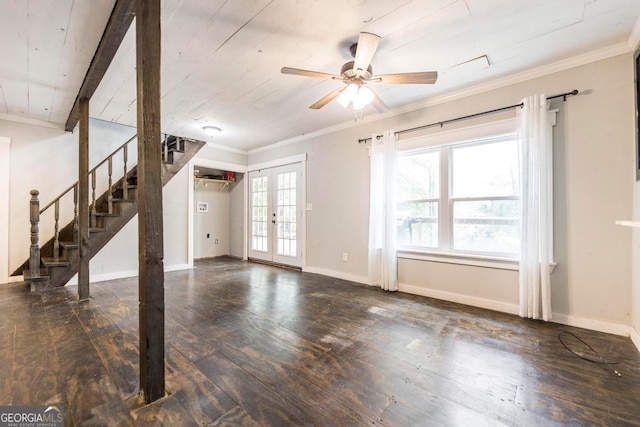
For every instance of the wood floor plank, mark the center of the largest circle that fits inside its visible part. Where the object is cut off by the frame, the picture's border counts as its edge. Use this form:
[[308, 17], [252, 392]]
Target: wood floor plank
[[251, 344], [260, 402], [196, 393]]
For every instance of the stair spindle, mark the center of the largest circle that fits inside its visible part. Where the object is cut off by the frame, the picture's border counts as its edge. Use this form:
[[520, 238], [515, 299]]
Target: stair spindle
[[165, 148], [56, 231], [34, 250], [75, 213], [125, 183], [110, 190], [93, 200]]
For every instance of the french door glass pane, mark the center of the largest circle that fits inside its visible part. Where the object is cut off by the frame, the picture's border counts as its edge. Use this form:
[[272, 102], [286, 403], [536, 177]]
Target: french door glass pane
[[286, 214], [487, 226], [259, 214]]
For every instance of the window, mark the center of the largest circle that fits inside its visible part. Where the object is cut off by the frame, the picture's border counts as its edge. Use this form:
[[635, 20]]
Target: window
[[461, 198]]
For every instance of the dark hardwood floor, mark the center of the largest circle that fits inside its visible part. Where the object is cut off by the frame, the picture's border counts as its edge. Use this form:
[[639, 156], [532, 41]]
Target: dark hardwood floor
[[249, 344]]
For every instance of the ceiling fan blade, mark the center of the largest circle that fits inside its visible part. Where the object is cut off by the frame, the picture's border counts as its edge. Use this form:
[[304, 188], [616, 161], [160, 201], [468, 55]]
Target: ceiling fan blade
[[378, 103], [324, 101], [367, 45], [425, 77], [307, 73]]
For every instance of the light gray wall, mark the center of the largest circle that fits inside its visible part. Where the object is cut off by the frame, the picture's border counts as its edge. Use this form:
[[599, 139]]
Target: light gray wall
[[593, 180], [46, 159], [215, 222]]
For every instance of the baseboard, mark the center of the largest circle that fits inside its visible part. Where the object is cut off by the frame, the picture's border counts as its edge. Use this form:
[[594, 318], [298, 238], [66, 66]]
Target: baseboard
[[594, 325], [176, 267], [95, 278], [563, 319], [503, 307], [337, 274], [635, 338], [14, 279]]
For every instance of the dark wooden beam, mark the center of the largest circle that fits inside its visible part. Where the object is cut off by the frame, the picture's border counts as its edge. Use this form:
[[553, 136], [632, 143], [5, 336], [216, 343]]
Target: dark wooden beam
[[119, 22], [150, 232], [84, 255]]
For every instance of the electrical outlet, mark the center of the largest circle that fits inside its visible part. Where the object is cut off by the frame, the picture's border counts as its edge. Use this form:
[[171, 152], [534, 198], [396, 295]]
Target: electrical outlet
[[345, 257]]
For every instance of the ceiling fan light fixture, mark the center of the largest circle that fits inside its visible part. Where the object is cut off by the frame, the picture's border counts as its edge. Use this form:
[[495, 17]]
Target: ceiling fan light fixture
[[348, 95], [211, 130], [362, 98]]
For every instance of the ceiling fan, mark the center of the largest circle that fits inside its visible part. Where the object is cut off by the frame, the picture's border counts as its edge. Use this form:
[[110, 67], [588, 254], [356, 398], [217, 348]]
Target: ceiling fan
[[357, 73]]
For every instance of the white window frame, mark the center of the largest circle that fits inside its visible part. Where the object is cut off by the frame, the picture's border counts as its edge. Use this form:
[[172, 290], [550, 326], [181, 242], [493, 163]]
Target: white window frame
[[467, 135]]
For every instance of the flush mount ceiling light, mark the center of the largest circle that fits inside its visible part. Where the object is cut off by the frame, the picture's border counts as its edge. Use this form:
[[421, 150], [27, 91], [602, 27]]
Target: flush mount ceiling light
[[211, 130]]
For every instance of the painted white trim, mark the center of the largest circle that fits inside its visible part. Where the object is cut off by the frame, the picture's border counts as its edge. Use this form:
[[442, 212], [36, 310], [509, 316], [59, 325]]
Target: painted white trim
[[337, 274], [503, 307], [299, 158], [490, 130], [15, 279], [96, 278], [215, 164], [225, 148], [29, 121], [190, 221], [592, 324], [471, 260], [562, 65], [303, 206], [5, 177], [245, 233], [634, 37], [177, 267], [635, 338]]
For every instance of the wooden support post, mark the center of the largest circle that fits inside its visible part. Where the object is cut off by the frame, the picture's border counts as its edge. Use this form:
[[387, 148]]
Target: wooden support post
[[150, 232], [83, 202], [34, 218]]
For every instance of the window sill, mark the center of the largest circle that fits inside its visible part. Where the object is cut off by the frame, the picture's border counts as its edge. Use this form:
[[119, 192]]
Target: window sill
[[464, 259]]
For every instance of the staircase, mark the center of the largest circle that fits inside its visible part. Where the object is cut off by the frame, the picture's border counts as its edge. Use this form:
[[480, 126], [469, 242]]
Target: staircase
[[56, 262]]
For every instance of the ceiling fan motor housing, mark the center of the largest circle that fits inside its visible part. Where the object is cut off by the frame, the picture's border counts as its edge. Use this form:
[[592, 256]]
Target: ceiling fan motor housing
[[348, 73]]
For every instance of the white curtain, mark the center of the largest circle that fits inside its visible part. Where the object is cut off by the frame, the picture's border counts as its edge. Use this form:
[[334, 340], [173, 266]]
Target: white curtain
[[536, 164], [383, 263]]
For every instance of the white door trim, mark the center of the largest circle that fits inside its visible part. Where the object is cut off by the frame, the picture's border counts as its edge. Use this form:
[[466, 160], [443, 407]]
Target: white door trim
[[5, 176], [300, 158]]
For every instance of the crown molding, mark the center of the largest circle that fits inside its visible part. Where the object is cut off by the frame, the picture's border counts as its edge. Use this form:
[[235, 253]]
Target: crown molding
[[519, 77], [29, 121], [225, 148], [634, 37]]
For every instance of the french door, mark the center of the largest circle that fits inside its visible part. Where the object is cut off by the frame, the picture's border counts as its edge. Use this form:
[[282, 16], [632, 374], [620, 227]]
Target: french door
[[275, 214]]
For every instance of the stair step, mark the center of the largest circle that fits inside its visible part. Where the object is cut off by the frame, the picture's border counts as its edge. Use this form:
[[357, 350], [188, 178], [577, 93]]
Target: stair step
[[119, 200], [26, 274], [96, 229], [69, 245], [51, 262], [107, 214]]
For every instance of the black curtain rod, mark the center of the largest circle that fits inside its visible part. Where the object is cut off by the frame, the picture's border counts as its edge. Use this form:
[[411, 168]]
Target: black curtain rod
[[470, 116]]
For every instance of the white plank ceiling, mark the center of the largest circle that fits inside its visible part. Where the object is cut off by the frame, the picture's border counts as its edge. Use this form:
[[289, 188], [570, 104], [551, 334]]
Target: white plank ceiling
[[222, 58]]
